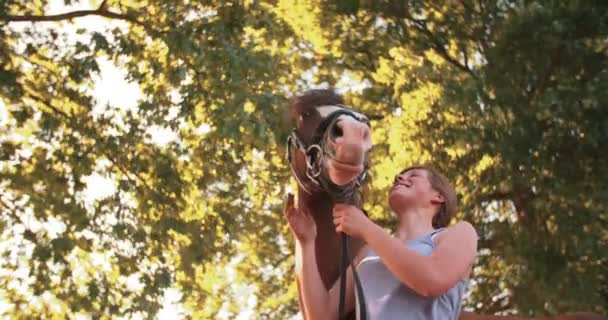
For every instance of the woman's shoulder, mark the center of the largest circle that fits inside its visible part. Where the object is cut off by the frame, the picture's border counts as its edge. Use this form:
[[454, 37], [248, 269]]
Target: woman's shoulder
[[363, 252], [462, 225], [461, 229]]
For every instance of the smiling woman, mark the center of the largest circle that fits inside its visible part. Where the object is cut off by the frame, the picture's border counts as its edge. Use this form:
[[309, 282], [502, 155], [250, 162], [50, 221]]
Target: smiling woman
[[422, 270], [437, 182], [419, 273]]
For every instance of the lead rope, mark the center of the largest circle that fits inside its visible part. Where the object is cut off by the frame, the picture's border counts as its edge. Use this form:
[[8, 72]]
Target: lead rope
[[346, 260]]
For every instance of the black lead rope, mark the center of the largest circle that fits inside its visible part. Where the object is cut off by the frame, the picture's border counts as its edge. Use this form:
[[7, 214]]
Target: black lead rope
[[346, 260], [343, 266]]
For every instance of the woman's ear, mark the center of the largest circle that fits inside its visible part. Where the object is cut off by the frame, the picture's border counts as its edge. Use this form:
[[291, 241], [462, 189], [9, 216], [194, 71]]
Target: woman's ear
[[437, 198]]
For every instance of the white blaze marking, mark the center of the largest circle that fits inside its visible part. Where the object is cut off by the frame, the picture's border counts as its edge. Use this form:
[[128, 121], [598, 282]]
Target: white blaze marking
[[325, 111]]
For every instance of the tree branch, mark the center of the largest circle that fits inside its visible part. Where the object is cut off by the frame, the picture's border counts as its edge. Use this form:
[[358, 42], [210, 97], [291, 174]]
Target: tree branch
[[468, 7], [436, 45], [103, 5], [497, 196], [375, 116], [12, 212], [440, 49], [101, 11], [543, 81], [488, 243], [48, 104]]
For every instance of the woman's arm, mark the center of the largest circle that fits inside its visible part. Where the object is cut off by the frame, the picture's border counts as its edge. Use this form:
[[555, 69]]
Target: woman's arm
[[427, 275], [299, 285], [319, 303], [314, 295], [315, 300]]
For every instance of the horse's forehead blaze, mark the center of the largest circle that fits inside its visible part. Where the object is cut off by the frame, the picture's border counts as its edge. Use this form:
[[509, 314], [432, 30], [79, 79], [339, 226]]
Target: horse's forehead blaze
[[325, 111]]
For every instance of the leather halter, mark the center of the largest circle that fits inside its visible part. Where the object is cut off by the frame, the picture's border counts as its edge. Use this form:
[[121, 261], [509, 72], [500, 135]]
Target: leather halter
[[315, 153]]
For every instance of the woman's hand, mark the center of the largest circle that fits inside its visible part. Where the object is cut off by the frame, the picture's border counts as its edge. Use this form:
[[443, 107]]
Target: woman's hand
[[300, 221], [351, 220]]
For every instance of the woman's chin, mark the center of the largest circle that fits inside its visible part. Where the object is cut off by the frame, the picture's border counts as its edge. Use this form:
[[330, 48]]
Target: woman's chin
[[397, 199]]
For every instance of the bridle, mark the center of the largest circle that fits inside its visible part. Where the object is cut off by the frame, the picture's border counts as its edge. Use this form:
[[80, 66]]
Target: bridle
[[315, 154]]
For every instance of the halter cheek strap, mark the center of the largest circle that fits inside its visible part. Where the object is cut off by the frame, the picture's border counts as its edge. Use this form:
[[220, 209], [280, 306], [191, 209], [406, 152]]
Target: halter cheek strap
[[292, 140]]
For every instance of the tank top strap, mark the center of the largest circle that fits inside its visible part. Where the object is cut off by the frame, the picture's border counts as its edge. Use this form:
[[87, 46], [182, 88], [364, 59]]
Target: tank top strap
[[434, 233]]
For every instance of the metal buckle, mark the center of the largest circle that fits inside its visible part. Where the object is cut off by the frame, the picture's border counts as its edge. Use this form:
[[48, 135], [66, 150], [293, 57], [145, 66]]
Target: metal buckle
[[313, 168]]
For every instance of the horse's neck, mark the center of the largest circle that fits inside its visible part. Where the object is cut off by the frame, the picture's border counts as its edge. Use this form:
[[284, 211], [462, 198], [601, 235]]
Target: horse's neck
[[320, 206], [327, 244]]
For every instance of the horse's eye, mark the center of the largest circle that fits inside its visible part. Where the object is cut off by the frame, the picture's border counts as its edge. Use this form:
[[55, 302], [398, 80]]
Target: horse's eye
[[305, 114]]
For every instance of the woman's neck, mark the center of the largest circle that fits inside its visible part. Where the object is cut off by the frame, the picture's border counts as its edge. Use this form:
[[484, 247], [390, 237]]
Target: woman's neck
[[413, 224]]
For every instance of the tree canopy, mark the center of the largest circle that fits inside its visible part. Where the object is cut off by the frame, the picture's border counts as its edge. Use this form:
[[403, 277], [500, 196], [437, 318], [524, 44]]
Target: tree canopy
[[508, 98]]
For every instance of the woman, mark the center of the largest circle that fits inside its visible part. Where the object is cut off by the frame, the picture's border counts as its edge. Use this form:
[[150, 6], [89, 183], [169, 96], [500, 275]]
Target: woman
[[420, 272]]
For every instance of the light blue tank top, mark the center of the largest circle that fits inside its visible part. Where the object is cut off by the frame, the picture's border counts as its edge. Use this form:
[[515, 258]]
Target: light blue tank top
[[387, 298]]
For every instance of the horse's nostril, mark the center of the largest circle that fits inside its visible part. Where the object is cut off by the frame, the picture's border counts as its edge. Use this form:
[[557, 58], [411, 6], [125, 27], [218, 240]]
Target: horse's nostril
[[336, 131]]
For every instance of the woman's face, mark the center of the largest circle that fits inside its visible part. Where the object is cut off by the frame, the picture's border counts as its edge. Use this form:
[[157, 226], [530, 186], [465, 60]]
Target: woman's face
[[411, 188]]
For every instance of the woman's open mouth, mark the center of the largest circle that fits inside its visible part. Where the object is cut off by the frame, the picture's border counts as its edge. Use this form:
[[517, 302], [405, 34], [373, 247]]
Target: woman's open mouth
[[396, 185]]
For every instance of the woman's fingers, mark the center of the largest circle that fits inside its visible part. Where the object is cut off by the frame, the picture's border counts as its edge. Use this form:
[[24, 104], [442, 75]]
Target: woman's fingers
[[336, 212], [290, 210], [288, 204], [340, 206], [297, 217], [305, 212], [339, 223]]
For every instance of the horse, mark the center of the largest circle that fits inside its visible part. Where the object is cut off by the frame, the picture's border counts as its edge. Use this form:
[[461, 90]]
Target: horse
[[328, 153]]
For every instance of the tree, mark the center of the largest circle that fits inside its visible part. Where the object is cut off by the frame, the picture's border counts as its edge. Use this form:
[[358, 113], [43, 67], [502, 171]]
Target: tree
[[509, 99], [506, 97], [177, 209]]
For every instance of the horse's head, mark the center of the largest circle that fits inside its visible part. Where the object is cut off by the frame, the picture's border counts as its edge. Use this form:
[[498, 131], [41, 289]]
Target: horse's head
[[329, 146]]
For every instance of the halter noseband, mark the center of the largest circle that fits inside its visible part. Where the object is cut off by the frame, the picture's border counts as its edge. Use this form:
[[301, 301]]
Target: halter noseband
[[315, 152]]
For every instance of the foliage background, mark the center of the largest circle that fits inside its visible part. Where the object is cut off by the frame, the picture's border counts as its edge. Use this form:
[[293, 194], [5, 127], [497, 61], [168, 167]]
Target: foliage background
[[509, 98]]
